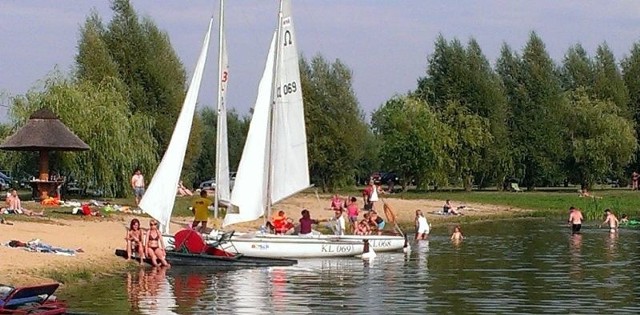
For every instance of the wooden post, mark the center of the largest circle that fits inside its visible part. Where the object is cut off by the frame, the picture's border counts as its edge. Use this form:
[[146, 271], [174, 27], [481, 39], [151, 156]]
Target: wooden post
[[44, 165]]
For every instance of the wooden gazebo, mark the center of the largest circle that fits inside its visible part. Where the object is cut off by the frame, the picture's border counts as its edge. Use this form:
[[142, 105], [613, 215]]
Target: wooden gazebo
[[44, 132]]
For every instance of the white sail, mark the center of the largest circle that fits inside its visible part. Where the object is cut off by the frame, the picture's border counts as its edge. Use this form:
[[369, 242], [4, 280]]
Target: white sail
[[249, 191], [290, 166], [222, 147], [160, 196]]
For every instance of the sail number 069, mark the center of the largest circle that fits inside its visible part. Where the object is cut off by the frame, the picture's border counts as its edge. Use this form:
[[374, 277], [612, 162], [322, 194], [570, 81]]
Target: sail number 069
[[287, 88]]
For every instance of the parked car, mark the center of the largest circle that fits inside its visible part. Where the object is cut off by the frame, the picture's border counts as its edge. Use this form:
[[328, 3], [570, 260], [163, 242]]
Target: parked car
[[211, 183], [385, 178], [4, 185]]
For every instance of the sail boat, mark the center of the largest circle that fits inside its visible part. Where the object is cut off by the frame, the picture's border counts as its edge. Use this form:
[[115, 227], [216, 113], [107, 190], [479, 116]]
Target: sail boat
[[274, 163], [222, 194], [276, 148], [159, 199]]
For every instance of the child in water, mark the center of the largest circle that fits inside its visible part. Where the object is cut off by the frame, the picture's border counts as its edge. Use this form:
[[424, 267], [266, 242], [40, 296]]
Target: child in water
[[457, 234]]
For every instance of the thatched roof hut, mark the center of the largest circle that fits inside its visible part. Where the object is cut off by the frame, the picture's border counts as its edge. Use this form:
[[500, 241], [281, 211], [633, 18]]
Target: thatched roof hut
[[44, 131]]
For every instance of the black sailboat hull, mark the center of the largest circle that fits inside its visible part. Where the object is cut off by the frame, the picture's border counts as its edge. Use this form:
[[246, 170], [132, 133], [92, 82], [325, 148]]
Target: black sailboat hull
[[204, 260]]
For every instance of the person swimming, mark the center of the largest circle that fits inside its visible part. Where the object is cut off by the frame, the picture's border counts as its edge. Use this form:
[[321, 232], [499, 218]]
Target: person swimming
[[457, 234]]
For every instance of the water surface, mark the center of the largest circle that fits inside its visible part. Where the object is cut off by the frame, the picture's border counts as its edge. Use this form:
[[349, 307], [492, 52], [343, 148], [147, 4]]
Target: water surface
[[519, 266]]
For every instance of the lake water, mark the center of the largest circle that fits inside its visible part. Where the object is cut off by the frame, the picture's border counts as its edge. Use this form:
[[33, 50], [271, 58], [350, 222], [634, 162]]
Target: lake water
[[503, 267]]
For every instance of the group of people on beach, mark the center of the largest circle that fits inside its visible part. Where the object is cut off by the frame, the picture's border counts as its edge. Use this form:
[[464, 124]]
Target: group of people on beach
[[149, 244], [576, 218]]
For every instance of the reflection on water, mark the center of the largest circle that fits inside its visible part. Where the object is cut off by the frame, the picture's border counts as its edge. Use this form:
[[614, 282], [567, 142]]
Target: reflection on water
[[508, 267]]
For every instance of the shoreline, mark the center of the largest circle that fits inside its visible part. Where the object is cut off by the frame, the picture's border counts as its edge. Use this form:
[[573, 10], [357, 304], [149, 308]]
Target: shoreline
[[99, 237]]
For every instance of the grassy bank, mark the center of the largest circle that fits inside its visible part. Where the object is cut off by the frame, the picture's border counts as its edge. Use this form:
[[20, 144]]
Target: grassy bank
[[620, 201]]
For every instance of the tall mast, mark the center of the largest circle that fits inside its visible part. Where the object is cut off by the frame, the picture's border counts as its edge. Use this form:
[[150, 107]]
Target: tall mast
[[221, 76], [274, 97]]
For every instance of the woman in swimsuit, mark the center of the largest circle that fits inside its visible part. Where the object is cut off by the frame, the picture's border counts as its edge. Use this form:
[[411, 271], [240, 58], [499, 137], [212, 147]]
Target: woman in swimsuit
[[134, 240], [154, 245]]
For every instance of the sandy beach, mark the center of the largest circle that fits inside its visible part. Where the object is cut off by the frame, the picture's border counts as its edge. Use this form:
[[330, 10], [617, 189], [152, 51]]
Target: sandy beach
[[99, 237]]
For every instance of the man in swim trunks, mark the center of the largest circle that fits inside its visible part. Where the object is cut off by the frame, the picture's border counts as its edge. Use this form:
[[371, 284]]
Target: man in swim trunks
[[612, 220], [575, 219]]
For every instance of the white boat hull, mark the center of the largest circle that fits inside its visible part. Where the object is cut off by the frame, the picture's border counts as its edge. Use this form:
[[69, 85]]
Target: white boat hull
[[379, 243], [294, 247]]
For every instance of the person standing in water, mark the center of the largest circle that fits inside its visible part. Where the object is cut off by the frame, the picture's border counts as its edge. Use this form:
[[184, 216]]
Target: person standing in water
[[612, 220], [575, 219], [422, 226]]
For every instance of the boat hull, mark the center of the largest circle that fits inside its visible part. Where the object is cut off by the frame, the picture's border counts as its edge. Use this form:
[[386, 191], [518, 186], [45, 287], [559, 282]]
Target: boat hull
[[294, 247], [379, 243], [204, 260]]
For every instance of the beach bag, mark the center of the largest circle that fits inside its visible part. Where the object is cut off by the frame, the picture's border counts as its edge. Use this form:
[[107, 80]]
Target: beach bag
[[374, 194]]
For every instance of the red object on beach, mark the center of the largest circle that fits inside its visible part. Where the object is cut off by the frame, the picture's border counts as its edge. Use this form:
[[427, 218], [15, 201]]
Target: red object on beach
[[190, 241], [86, 210], [32, 300]]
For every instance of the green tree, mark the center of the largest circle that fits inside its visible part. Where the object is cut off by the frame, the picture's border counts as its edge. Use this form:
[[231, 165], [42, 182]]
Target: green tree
[[120, 141], [463, 76], [631, 76], [471, 134], [204, 167], [608, 82], [414, 141], [577, 69], [334, 121], [138, 57], [535, 95], [599, 138], [147, 65]]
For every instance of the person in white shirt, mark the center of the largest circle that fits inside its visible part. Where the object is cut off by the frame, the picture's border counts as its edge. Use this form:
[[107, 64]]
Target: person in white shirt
[[422, 226], [137, 183], [339, 224]]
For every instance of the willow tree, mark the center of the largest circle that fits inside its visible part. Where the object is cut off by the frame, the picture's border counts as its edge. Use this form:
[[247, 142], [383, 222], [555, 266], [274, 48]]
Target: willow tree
[[471, 134], [140, 55], [414, 141], [599, 138], [139, 60], [120, 141]]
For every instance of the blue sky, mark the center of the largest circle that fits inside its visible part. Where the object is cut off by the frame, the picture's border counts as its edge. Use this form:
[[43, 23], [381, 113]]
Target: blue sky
[[386, 43]]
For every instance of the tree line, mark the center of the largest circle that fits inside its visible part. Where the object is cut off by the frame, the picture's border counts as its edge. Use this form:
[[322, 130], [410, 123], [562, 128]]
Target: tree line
[[467, 122]]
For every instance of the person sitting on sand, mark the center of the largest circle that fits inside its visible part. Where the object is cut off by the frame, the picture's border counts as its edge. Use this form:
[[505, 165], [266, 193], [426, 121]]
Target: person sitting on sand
[[422, 226], [611, 219], [134, 240], [457, 234], [183, 191], [154, 245], [15, 206]]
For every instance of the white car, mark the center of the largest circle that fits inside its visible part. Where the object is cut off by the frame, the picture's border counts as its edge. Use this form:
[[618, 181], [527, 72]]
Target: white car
[[211, 184]]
